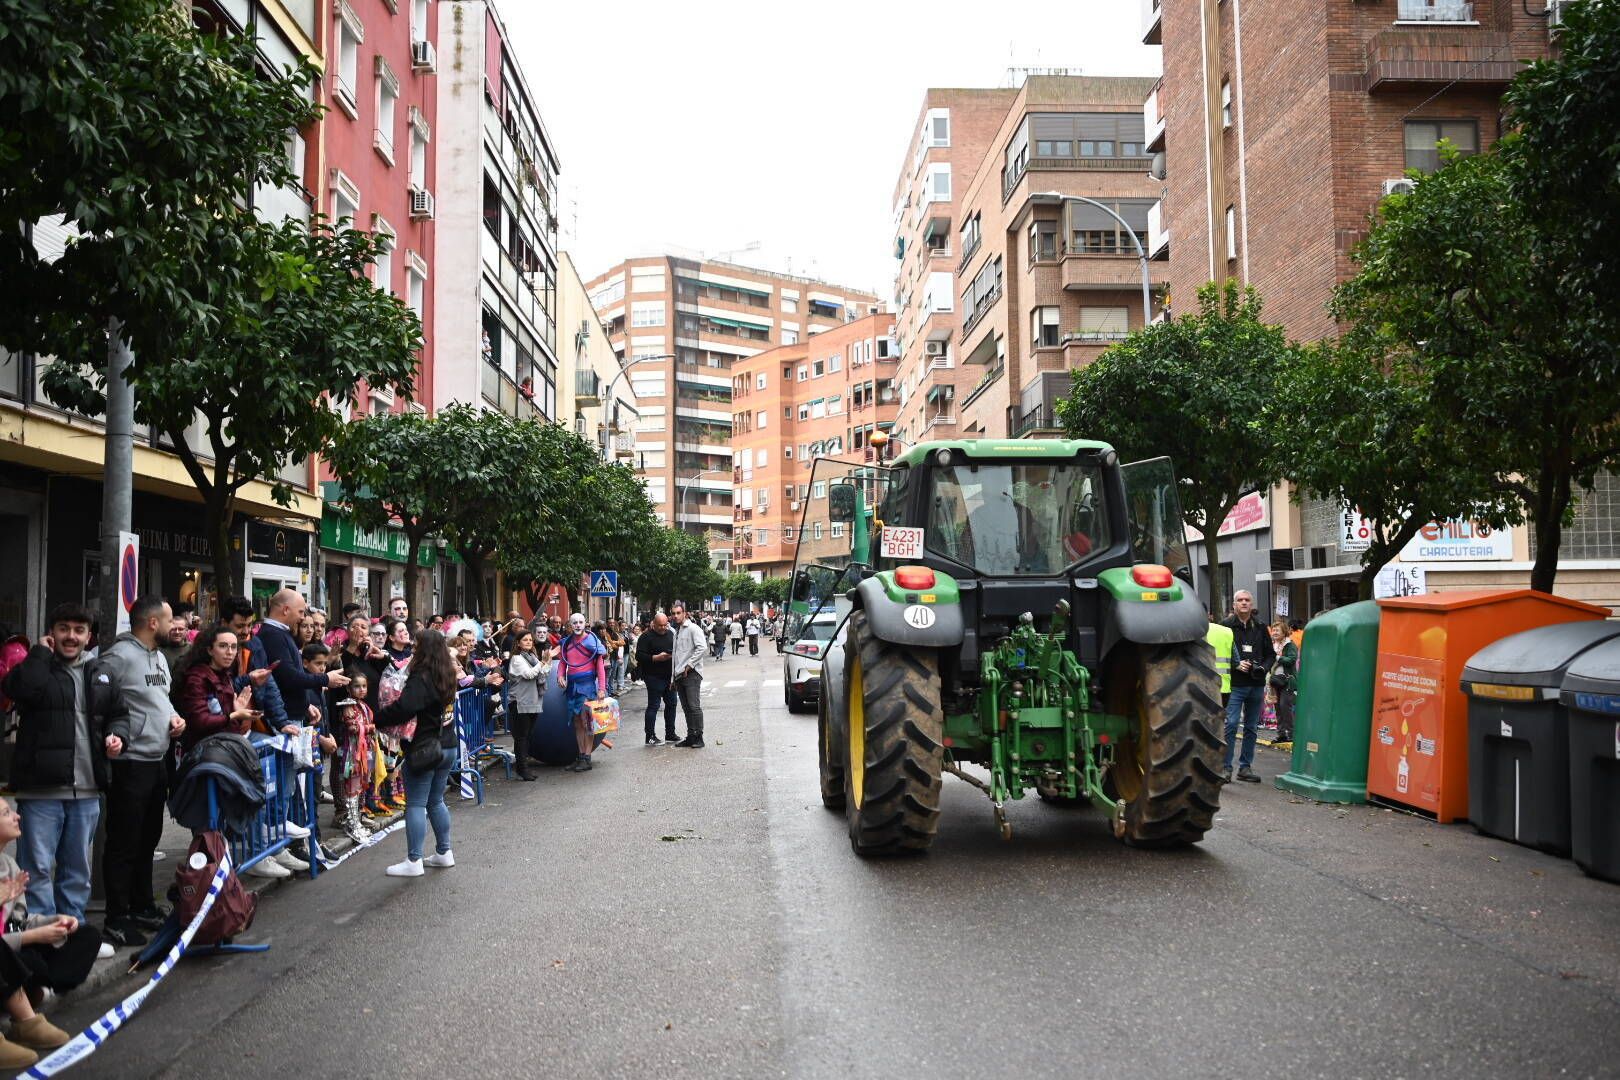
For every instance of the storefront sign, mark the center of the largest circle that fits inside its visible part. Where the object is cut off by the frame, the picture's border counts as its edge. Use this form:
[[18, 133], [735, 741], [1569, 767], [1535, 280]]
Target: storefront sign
[[1355, 532], [275, 545], [1252, 512], [362, 579], [1455, 540], [340, 533]]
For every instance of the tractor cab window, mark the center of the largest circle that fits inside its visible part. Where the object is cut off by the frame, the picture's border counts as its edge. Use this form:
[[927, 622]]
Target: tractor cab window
[[1016, 520]]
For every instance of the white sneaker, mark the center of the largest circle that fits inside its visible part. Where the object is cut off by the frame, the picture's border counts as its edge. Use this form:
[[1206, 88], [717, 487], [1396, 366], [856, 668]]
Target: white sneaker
[[408, 868], [268, 868], [296, 831], [447, 859], [325, 796], [291, 861], [106, 952]]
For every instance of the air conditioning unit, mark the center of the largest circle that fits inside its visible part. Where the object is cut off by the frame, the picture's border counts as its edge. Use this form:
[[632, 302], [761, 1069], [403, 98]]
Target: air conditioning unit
[[421, 203], [1400, 186], [423, 58], [936, 348], [793, 507]]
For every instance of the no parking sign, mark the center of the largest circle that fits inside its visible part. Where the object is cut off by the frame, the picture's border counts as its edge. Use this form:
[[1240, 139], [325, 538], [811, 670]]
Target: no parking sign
[[129, 579]]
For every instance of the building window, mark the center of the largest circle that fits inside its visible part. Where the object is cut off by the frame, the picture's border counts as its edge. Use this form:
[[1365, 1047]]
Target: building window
[[817, 531], [787, 534], [1109, 321], [763, 417], [818, 490], [837, 529], [760, 458], [1226, 103], [1043, 241], [790, 337], [804, 411], [345, 207], [787, 452], [818, 368], [387, 101], [939, 127], [939, 183], [416, 289], [804, 373], [419, 20], [835, 363], [1043, 327], [492, 207], [349, 32], [1231, 231], [790, 306], [647, 313], [1423, 141], [759, 381]]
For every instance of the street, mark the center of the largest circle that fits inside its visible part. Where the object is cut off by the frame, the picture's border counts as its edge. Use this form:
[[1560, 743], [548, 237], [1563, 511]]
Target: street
[[682, 913]]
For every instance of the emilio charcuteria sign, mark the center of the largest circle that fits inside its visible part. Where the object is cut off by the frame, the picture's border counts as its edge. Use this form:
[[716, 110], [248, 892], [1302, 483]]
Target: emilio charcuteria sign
[[1459, 540]]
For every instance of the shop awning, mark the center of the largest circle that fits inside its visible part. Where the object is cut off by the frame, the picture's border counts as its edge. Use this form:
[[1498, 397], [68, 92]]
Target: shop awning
[[738, 323]]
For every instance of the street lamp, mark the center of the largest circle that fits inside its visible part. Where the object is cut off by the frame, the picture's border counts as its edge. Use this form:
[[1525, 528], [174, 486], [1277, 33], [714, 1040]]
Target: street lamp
[[626, 366], [1147, 301], [681, 488]]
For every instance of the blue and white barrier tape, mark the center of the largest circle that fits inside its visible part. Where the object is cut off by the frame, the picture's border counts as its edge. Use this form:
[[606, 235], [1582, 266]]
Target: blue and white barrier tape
[[90, 1039], [371, 841]]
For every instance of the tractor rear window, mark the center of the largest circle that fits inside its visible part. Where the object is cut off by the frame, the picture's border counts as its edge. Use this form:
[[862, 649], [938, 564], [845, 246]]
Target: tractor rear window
[[1017, 519]]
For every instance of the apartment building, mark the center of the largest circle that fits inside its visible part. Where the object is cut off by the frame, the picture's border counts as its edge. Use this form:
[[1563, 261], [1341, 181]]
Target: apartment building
[[495, 274], [378, 172], [1052, 222], [821, 397], [51, 461], [678, 326], [954, 128], [1282, 125], [597, 399]]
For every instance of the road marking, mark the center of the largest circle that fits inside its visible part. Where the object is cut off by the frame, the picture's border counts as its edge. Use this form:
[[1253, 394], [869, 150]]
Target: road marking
[[732, 684], [771, 682]]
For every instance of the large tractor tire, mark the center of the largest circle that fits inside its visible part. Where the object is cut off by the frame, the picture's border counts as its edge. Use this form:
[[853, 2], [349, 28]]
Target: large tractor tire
[[1169, 774], [895, 744], [829, 755]]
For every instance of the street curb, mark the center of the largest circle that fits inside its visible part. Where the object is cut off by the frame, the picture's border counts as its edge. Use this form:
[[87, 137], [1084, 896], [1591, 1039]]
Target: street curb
[[107, 972]]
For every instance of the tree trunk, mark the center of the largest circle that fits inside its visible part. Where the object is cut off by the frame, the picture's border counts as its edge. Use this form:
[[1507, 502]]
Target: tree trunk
[[1552, 499], [227, 581], [413, 549], [1212, 557]]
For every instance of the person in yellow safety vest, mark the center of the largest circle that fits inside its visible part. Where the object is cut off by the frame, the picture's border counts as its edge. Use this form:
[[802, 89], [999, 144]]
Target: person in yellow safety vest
[[1220, 639]]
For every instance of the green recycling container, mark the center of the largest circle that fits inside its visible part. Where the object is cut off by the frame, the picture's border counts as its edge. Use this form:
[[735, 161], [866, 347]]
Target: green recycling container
[[1333, 710]]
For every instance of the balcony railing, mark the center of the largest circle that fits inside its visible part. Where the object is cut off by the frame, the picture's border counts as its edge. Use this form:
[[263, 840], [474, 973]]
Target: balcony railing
[[979, 311], [1021, 422], [1443, 11], [971, 250]]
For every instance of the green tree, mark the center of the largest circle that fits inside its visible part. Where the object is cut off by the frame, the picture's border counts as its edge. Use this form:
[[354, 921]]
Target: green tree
[[1195, 388], [264, 382], [1363, 430], [672, 565], [147, 137], [740, 588], [773, 590], [1458, 280]]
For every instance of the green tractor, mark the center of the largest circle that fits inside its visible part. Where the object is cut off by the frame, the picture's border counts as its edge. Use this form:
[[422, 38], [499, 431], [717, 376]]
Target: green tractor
[[1018, 606]]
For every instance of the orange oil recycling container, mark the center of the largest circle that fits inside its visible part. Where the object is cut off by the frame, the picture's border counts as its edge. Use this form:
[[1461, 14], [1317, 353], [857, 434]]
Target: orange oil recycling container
[[1419, 746]]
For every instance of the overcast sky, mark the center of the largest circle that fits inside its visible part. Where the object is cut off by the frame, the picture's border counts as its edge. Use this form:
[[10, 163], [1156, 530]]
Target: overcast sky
[[711, 126]]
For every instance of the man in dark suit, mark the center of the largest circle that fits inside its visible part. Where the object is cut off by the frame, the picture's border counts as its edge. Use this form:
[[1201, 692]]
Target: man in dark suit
[[285, 657]]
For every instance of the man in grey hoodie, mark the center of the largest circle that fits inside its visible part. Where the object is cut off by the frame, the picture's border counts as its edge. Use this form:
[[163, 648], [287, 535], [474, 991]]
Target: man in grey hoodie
[[138, 777]]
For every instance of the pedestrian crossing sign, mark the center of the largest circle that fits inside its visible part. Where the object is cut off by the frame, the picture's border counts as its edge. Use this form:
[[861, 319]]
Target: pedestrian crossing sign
[[604, 583]]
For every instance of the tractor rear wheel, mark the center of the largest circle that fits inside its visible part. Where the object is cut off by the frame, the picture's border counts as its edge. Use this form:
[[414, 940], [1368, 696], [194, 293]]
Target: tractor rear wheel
[[895, 744], [1169, 774], [829, 755]]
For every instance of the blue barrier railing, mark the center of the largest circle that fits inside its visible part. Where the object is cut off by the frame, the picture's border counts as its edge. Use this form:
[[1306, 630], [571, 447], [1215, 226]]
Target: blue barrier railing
[[282, 802], [476, 750]]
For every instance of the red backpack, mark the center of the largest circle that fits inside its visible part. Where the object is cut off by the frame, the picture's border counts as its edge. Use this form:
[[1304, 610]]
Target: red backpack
[[233, 908]]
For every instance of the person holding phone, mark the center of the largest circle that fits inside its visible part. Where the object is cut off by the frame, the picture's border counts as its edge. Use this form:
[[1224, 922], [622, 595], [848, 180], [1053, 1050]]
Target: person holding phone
[[208, 701]]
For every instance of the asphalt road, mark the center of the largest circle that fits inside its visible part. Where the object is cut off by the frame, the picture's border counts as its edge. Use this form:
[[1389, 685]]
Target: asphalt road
[[680, 913]]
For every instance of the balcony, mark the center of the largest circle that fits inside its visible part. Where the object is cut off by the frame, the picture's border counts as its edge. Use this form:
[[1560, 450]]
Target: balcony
[[274, 205], [980, 310], [587, 389], [1081, 347], [1111, 273], [1035, 423], [501, 392], [742, 513], [1151, 23], [1440, 53], [1158, 245], [971, 249], [1153, 120], [1009, 181]]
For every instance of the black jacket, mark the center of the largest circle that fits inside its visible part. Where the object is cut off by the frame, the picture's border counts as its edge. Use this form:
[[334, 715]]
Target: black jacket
[[418, 701], [1260, 654], [47, 730], [650, 642], [233, 764]]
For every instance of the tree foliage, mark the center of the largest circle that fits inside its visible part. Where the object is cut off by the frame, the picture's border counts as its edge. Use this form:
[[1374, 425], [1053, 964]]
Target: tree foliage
[[262, 384], [672, 564], [147, 137], [1458, 282], [740, 588], [1195, 388], [772, 590], [1361, 430]]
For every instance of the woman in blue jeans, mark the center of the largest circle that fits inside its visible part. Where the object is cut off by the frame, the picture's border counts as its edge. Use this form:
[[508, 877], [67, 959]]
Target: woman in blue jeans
[[429, 691]]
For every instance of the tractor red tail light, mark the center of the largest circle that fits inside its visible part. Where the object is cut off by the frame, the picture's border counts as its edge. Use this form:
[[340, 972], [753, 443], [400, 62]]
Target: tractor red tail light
[[914, 577], [1152, 576]]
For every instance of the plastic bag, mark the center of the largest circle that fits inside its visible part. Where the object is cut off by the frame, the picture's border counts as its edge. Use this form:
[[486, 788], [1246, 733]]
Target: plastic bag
[[604, 715]]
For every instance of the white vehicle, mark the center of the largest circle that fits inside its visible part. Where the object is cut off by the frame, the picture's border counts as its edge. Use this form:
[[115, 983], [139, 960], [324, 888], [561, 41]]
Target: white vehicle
[[801, 662]]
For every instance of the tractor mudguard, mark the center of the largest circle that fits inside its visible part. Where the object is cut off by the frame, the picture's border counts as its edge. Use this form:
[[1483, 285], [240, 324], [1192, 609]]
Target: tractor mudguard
[[936, 624], [1149, 616]]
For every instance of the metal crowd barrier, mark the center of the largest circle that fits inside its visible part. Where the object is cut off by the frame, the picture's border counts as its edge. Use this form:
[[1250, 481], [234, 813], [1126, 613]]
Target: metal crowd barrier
[[476, 750], [268, 834]]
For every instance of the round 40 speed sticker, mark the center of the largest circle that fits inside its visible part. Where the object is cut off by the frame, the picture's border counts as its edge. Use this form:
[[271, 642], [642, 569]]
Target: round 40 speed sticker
[[919, 617]]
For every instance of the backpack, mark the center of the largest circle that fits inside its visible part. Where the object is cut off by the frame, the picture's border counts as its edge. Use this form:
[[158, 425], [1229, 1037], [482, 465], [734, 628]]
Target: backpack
[[392, 683], [233, 908]]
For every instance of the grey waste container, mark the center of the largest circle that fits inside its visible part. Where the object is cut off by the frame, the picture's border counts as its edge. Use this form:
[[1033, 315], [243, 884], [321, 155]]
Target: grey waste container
[[1518, 732], [1591, 693]]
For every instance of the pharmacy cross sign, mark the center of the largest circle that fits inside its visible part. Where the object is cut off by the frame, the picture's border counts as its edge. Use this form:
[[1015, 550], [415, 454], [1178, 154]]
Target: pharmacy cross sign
[[604, 583]]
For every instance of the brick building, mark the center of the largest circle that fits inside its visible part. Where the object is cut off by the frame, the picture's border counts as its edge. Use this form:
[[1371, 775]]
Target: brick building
[[819, 398], [678, 326], [1282, 125]]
